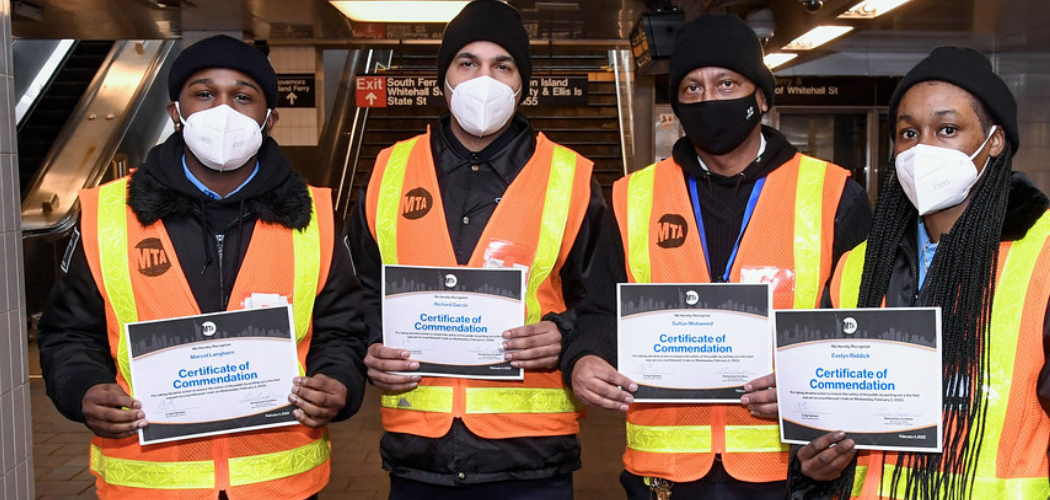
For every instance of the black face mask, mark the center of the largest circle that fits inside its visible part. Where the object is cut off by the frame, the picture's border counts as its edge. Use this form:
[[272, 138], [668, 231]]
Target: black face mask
[[718, 127]]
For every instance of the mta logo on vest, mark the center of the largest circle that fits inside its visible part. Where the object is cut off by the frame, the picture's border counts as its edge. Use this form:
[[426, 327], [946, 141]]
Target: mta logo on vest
[[671, 230], [153, 260], [416, 204]]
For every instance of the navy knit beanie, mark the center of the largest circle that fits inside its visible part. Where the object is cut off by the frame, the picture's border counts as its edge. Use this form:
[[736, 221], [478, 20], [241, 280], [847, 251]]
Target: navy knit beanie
[[490, 21], [223, 51], [724, 41], [970, 70]]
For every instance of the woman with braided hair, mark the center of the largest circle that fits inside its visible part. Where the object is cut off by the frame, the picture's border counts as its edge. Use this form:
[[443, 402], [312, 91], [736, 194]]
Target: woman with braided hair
[[955, 227]]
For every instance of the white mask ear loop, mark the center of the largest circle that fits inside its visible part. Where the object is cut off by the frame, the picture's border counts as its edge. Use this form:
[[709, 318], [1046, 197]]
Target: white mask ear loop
[[985, 143], [182, 121]]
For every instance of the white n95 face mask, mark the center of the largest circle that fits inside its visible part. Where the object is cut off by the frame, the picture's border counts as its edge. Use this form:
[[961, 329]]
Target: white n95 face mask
[[222, 138], [936, 178], [482, 105]]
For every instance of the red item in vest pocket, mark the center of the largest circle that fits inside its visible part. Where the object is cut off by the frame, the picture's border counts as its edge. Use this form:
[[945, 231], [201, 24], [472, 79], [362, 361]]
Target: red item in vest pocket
[[781, 280], [502, 253]]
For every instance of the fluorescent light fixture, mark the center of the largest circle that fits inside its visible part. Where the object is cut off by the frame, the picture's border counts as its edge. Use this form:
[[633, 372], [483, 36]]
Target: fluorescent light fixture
[[777, 59], [870, 9], [818, 36], [400, 11]]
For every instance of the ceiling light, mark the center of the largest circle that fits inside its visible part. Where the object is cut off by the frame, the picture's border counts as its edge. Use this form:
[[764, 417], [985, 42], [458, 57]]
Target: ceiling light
[[870, 9], [777, 59], [818, 36], [400, 11]]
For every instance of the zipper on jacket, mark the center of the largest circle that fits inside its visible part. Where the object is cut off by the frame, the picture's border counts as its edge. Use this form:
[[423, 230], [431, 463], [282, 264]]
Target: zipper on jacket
[[219, 243]]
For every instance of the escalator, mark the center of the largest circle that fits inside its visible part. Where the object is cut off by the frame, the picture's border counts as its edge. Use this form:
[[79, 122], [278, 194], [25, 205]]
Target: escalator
[[45, 121], [102, 110]]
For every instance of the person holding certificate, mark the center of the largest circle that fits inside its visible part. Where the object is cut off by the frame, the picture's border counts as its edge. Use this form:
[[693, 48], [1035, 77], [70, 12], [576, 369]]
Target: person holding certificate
[[482, 189], [215, 220], [735, 203], [955, 227]]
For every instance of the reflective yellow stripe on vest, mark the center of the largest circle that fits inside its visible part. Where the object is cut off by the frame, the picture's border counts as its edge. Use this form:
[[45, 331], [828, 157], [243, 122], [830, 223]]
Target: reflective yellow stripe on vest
[[809, 197], [849, 284], [152, 475], [201, 474], [388, 203], [669, 439], [271, 466], [639, 209], [113, 263], [552, 227], [754, 439], [984, 488], [556, 204], [438, 399]]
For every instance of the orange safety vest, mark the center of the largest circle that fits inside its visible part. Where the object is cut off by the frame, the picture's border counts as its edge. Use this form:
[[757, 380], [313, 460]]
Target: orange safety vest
[[407, 219], [792, 249], [1013, 461], [139, 276]]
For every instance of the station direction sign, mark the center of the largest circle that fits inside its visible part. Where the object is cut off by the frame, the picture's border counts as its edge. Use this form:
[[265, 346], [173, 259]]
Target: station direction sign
[[382, 91]]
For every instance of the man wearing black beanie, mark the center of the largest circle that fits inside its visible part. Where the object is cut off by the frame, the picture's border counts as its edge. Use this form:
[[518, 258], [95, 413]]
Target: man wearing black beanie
[[955, 227], [749, 209], [215, 220], [482, 189]]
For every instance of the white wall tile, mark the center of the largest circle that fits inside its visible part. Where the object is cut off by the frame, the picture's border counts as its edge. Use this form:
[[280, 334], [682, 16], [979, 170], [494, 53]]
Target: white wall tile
[[21, 477], [18, 416], [10, 486], [6, 370], [13, 261], [7, 431]]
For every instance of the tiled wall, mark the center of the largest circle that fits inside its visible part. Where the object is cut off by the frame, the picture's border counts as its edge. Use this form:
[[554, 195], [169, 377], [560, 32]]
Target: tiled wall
[[298, 126], [1028, 76], [16, 442]]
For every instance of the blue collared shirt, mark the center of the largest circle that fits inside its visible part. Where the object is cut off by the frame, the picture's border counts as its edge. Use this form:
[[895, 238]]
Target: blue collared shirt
[[927, 248], [212, 194]]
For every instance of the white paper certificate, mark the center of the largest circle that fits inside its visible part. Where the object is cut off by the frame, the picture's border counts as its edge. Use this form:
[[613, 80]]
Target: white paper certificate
[[452, 320], [213, 374], [693, 343], [872, 373]]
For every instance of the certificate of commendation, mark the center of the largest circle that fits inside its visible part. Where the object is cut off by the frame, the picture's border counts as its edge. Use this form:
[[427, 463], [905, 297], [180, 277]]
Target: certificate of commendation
[[693, 343], [214, 373], [873, 373], [452, 320]]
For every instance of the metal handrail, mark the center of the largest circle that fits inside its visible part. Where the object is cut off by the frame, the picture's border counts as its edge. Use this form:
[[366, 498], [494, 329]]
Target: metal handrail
[[81, 154]]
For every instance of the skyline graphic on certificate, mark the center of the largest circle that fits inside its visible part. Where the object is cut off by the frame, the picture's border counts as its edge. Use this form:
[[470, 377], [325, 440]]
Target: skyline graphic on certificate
[[452, 320], [214, 373], [872, 373], [693, 343]]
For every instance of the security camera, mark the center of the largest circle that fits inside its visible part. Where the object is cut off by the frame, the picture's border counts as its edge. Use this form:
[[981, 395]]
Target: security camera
[[762, 23], [812, 5]]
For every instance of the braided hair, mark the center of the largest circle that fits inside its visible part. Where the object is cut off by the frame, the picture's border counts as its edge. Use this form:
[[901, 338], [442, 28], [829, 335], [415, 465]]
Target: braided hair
[[961, 280]]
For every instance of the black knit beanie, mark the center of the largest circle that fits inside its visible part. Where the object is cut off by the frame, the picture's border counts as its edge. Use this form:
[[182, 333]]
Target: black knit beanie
[[970, 70], [221, 51], [724, 41], [490, 21]]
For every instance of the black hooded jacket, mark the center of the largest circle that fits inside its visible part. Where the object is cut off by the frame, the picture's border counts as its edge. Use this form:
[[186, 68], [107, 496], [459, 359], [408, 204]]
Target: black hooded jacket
[[210, 238], [1025, 205]]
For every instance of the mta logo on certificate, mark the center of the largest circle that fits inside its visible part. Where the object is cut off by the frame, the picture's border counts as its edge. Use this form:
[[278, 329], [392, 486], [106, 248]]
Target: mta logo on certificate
[[450, 280]]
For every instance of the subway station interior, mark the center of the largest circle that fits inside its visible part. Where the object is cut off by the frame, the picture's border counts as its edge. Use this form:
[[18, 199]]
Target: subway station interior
[[83, 97]]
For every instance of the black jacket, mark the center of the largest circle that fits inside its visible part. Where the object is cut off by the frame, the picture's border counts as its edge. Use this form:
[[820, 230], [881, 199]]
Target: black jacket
[[722, 202], [470, 196], [1026, 204], [74, 345]]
